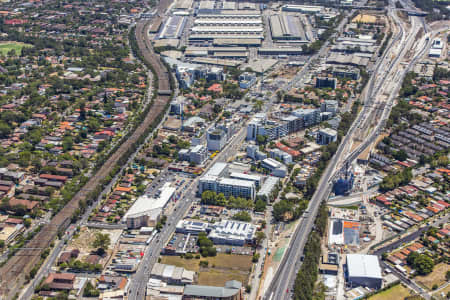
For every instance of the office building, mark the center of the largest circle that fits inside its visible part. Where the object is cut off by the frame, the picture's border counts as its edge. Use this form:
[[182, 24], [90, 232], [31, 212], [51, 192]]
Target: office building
[[281, 155], [246, 80], [329, 106], [326, 82], [309, 116], [215, 180], [249, 177], [364, 270], [326, 136], [176, 106], [229, 232], [254, 153], [342, 72], [228, 186], [216, 139]]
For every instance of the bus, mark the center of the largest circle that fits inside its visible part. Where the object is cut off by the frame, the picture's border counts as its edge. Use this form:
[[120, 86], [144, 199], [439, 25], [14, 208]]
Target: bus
[[152, 236]]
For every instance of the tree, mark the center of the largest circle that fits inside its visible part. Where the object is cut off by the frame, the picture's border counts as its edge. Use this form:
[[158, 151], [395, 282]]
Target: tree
[[400, 155], [67, 143], [27, 223], [260, 205], [5, 130], [422, 263], [259, 237], [101, 242], [242, 216], [280, 209]]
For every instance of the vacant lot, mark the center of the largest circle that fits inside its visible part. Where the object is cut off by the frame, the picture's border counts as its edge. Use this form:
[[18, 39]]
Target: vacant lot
[[396, 292], [8, 46], [221, 268], [435, 277]]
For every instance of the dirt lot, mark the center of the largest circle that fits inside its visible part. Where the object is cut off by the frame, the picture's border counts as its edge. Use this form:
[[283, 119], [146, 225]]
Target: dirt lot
[[221, 268], [435, 277], [395, 292], [84, 239]]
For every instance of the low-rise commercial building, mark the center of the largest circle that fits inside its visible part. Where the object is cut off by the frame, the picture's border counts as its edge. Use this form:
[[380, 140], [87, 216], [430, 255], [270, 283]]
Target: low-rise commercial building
[[228, 232], [191, 226], [276, 168], [146, 211]]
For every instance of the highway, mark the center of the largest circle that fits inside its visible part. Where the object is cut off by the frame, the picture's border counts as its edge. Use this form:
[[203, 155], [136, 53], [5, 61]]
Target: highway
[[285, 275]]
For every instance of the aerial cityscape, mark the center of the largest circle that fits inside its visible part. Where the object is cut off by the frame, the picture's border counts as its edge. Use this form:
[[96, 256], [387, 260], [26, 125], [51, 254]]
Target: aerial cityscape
[[224, 149]]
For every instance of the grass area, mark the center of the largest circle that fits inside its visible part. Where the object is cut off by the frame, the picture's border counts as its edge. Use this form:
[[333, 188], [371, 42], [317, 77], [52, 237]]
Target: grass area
[[442, 294], [435, 277], [397, 292], [221, 268], [8, 46]]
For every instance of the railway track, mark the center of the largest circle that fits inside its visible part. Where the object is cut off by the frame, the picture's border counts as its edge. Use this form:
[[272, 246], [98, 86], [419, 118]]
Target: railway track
[[13, 273]]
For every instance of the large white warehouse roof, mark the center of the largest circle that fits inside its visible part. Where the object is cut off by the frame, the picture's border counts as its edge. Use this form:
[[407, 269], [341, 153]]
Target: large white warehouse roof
[[360, 265]]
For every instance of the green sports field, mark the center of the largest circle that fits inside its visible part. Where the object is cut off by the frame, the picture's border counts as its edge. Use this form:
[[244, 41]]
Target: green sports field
[[5, 47]]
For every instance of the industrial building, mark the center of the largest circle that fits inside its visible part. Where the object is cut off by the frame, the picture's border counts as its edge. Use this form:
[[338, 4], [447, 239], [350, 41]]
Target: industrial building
[[172, 274], [146, 211], [349, 60], [231, 291], [280, 51], [173, 28], [286, 27], [307, 9], [436, 48], [364, 270], [228, 232], [211, 24], [231, 42], [326, 136]]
